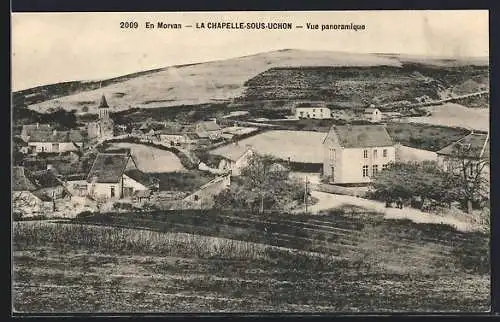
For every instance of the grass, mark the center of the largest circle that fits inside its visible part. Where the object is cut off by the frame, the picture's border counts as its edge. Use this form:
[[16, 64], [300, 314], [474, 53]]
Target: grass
[[299, 146], [381, 265], [425, 136], [150, 159]]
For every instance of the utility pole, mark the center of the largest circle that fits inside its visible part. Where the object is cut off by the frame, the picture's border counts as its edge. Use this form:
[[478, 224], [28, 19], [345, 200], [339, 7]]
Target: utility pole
[[305, 192]]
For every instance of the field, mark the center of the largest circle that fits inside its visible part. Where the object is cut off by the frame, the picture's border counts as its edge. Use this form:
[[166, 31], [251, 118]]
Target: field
[[456, 115], [329, 262], [210, 82], [150, 159], [299, 146], [424, 136]]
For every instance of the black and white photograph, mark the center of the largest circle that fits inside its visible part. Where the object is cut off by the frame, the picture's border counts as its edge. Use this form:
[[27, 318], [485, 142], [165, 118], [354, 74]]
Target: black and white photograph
[[250, 162]]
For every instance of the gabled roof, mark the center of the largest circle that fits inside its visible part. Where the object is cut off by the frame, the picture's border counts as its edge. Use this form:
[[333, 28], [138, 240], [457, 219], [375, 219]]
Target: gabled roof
[[362, 136], [231, 152], [207, 126], [108, 167], [39, 135], [22, 180], [28, 128], [104, 103], [473, 145]]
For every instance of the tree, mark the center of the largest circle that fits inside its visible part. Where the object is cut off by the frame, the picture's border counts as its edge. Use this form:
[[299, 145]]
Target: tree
[[263, 184], [407, 180], [467, 171]]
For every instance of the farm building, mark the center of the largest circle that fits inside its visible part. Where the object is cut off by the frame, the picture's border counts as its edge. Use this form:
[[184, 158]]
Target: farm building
[[30, 128], [54, 141], [204, 197], [107, 178], [355, 153], [234, 157], [313, 112], [472, 152], [372, 114], [208, 129], [104, 127]]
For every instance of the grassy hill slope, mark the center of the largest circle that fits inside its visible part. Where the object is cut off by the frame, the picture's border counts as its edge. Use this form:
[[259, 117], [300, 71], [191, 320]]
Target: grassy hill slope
[[193, 84]]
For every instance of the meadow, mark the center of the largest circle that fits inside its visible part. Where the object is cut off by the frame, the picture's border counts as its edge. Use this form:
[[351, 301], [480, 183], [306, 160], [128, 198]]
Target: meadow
[[150, 159], [194, 261]]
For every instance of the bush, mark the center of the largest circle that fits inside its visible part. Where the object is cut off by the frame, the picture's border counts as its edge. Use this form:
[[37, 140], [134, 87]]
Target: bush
[[84, 214]]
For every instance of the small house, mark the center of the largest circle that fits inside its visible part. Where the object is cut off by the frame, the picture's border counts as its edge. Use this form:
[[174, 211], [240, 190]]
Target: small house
[[372, 114], [208, 130], [471, 153], [107, 178], [55, 141], [30, 128], [234, 157]]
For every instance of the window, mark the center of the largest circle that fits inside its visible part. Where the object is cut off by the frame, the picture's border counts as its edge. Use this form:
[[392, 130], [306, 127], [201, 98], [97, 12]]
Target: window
[[314, 110], [112, 192], [365, 171], [332, 154], [384, 166], [365, 154], [375, 169], [384, 153], [471, 169], [374, 154], [55, 147], [314, 115]]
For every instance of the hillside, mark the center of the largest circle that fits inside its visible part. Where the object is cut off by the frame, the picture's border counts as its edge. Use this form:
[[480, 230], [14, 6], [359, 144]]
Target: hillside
[[211, 82], [359, 86]]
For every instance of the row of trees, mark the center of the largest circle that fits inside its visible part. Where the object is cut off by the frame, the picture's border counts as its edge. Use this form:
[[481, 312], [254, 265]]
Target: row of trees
[[464, 180]]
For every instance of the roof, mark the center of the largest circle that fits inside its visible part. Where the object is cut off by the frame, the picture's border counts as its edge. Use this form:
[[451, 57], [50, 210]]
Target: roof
[[104, 103], [108, 167], [139, 176], [28, 128], [362, 136], [473, 145], [22, 180], [231, 152], [207, 126], [46, 179], [39, 135], [371, 110]]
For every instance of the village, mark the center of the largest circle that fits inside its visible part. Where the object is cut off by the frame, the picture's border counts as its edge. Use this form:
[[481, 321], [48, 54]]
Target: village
[[108, 167]]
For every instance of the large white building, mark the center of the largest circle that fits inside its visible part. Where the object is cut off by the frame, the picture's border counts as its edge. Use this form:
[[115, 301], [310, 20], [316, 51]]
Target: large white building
[[353, 154], [313, 112], [54, 141]]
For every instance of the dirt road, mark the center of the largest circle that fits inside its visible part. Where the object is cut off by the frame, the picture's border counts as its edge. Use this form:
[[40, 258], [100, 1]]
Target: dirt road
[[329, 201]]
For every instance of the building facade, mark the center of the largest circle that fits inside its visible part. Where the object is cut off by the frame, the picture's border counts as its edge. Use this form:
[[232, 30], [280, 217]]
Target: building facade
[[313, 112], [373, 114], [354, 154], [53, 141]]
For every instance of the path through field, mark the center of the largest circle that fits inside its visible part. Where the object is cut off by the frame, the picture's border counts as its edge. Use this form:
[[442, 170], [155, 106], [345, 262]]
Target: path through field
[[328, 201]]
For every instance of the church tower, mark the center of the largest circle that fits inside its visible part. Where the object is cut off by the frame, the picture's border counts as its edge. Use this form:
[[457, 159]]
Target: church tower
[[103, 108], [104, 127]]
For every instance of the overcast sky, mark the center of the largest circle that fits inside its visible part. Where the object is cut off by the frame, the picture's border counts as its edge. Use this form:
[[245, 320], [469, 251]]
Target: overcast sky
[[49, 48]]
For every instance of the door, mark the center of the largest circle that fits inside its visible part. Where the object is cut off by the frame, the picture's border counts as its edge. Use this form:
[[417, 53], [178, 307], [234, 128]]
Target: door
[[112, 192], [333, 175]]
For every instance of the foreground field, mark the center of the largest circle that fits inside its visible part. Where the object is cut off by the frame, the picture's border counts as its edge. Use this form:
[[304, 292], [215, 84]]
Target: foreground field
[[456, 115], [328, 262], [150, 159]]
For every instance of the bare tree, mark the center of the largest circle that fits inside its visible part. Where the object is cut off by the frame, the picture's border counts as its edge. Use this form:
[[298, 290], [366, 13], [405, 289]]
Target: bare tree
[[467, 168]]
